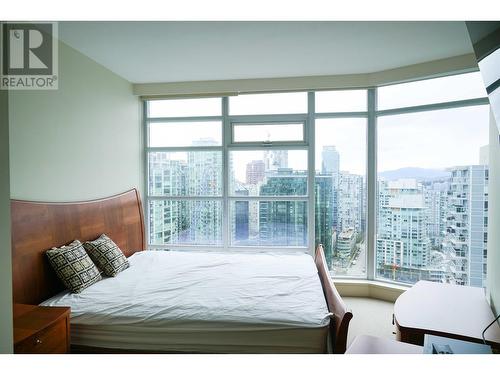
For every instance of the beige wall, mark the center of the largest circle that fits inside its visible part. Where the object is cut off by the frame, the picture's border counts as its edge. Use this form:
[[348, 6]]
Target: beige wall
[[5, 252], [81, 141], [493, 273]]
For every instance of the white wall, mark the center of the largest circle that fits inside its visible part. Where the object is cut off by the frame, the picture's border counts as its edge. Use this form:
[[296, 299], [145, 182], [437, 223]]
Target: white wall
[[82, 141], [493, 272], [5, 251]]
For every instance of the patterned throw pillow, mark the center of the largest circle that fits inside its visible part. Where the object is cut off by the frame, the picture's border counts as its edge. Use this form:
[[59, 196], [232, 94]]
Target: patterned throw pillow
[[106, 255], [73, 266]]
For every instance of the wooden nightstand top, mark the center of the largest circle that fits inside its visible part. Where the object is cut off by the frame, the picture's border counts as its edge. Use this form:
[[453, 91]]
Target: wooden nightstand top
[[30, 319]]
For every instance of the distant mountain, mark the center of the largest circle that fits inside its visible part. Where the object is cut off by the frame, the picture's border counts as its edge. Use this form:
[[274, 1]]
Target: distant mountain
[[416, 173]]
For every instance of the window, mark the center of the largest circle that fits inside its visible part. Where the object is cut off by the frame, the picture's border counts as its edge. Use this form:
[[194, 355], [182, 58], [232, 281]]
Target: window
[[185, 108], [432, 189], [184, 174], [191, 173], [265, 104], [268, 179], [185, 134], [269, 172], [185, 222], [340, 188], [265, 174], [289, 171], [341, 101], [430, 91], [269, 223], [268, 132]]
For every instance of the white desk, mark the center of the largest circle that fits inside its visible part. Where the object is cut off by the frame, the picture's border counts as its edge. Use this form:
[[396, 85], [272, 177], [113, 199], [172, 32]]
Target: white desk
[[458, 312]]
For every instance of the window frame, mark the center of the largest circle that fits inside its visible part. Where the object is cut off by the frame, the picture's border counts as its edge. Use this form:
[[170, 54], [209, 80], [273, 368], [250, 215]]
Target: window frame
[[148, 197], [230, 145], [278, 122], [372, 114], [372, 157], [354, 115]]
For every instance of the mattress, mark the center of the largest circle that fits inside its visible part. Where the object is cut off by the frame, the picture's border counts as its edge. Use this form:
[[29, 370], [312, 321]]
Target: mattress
[[176, 301]]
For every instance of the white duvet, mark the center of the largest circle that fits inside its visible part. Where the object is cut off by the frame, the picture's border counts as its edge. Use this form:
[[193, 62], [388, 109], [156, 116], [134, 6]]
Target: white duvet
[[190, 289]]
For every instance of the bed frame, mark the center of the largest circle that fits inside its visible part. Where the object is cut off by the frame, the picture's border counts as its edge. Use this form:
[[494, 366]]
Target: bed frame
[[38, 226]]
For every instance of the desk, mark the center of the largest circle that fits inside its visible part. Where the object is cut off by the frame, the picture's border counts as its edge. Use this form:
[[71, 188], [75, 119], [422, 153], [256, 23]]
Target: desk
[[365, 344], [458, 312]]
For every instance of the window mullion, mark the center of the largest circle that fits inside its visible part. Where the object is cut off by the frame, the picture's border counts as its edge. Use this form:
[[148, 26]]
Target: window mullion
[[311, 171], [145, 155], [226, 140], [184, 198], [270, 198], [371, 173]]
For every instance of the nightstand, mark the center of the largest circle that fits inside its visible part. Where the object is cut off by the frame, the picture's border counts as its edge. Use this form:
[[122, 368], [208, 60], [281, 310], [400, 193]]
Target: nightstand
[[41, 329]]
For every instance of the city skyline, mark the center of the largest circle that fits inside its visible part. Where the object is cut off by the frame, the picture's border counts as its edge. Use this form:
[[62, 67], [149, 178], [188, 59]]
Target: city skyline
[[407, 254]]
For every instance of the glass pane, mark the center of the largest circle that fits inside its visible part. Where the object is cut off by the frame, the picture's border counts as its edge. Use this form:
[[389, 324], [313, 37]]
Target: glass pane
[[341, 101], [436, 90], [185, 222], [264, 223], [194, 173], [185, 134], [268, 173], [432, 191], [266, 104], [185, 107], [340, 194], [268, 132]]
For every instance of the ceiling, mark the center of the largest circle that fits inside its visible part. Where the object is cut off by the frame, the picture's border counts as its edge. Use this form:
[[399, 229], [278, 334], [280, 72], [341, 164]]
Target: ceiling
[[144, 52]]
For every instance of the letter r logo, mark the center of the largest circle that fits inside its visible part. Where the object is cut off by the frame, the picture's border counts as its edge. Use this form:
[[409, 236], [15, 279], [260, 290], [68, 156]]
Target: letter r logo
[[27, 49]]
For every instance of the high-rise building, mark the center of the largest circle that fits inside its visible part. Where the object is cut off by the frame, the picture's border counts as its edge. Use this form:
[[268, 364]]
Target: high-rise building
[[174, 221], [330, 160], [466, 225], [350, 202], [330, 164], [167, 177], [484, 155], [283, 222], [253, 212], [204, 170], [403, 246], [324, 214], [204, 176], [284, 181], [241, 217], [436, 201], [346, 241], [275, 159], [255, 172]]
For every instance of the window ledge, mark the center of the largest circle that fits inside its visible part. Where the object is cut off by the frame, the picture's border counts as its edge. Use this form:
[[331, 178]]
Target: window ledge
[[370, 289]]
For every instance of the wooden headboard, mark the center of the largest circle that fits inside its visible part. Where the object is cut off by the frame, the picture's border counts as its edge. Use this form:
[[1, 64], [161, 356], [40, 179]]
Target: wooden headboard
[[39, 226]]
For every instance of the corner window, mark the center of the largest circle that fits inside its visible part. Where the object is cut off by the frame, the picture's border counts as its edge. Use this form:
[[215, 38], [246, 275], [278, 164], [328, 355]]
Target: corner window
[[289, 171]]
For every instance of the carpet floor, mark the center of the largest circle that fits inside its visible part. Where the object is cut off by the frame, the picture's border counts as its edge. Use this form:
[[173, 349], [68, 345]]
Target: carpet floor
[[370, 317]]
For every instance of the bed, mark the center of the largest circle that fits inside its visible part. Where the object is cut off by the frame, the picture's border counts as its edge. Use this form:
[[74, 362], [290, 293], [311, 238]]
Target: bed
[[173, 301]]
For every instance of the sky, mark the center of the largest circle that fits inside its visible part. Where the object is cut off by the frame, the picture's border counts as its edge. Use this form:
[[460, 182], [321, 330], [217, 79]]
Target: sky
[[437, 139], [433, 139], [349, 138]]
